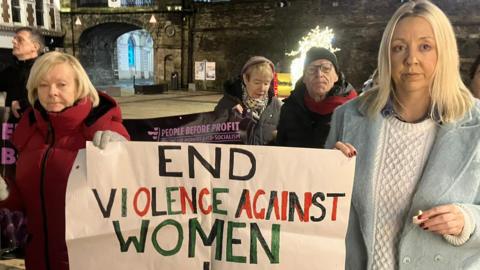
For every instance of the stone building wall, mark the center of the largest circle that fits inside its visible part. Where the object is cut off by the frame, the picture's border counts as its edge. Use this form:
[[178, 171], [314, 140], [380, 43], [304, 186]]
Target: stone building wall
[[228, 33]]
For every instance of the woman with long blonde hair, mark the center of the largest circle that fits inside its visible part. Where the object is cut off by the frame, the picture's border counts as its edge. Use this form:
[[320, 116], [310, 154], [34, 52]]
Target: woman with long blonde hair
[[415, 202]]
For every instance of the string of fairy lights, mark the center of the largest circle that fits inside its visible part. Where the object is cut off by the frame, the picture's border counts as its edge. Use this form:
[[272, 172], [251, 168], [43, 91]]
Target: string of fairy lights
[[316, 37]]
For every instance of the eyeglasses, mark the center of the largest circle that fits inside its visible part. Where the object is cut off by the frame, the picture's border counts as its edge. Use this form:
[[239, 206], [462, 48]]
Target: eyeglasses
[[324, 68]]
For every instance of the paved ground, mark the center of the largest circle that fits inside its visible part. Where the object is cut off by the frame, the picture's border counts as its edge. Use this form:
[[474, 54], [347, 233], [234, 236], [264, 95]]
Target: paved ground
[[167, 104], [12, 265]]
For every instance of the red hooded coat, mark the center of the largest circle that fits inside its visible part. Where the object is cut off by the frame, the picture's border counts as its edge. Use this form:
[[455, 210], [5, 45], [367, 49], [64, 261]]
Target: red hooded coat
[[47, 145]]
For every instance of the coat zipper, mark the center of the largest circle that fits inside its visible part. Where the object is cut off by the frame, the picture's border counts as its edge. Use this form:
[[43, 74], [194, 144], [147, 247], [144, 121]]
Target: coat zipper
[[50, 141]]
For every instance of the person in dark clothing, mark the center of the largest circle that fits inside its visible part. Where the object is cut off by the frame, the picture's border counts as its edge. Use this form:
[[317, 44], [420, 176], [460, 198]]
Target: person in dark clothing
[[252, 96], [306, 113], [28, 43]]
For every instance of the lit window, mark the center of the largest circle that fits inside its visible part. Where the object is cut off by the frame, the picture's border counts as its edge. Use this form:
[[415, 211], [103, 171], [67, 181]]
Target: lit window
[[131, 52]]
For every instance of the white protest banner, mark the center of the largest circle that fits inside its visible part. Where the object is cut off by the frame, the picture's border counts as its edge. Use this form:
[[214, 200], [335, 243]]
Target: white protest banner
[[155, 205]]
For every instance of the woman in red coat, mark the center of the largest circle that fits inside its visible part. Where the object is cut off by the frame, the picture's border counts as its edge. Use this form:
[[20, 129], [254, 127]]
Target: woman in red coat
[[66, 112]]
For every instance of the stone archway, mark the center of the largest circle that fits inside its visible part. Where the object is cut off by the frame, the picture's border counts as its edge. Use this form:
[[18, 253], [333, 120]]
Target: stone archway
[[92, 40], [97, 50]]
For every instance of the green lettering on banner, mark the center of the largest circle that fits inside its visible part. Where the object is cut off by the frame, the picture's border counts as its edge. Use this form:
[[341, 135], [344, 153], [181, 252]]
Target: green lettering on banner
[[139, 244], [215, 233], [170, 201], [157, 247], [234, 241], [124, 202], [273, 253], [217, 202]]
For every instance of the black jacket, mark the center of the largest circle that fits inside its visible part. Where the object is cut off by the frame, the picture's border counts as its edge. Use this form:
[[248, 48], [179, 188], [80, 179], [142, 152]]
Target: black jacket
[[13, 81], [300, 127]]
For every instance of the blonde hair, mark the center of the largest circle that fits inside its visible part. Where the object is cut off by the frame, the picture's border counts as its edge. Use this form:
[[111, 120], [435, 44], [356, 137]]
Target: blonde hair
[[450, 98], [46, 62], [263, 69]]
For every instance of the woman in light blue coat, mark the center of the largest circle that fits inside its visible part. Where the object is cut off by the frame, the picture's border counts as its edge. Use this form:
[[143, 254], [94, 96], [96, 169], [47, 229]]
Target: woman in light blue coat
[[417, 135]]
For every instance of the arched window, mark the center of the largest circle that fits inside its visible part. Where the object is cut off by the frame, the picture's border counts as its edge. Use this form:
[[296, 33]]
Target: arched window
[[131, 52]]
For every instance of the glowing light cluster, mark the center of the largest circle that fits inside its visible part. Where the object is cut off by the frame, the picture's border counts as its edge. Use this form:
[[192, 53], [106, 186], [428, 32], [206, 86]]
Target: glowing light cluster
[[314, 38]]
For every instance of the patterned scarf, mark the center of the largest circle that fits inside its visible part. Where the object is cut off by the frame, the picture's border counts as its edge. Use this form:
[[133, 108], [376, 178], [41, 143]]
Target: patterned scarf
[[256, 105]]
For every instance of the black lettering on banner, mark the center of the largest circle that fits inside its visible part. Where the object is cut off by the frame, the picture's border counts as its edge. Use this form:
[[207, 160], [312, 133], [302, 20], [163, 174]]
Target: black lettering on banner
[[162, 160], [105, 210], [194, 154], [253, 163], [321, 196]]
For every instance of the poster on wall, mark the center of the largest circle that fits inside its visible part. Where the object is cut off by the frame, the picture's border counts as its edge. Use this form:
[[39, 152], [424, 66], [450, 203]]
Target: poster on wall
[[160, 205], [210, 71], [200, 70]]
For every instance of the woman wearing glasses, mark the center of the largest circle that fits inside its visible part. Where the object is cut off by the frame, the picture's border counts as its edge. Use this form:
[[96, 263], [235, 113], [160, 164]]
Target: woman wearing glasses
[[306, 113]]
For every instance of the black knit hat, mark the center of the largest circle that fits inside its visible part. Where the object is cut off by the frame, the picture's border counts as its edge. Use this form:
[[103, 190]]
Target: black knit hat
[[316, 53]]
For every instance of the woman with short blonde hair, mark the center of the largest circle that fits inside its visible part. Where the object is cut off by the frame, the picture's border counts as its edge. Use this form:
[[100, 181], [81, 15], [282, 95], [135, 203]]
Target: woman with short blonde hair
[[49, 60], [66, 112], [251, 98], [263, 69]]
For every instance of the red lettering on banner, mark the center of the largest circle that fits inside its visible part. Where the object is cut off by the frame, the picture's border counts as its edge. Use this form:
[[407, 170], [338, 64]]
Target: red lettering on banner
[[204, 192], [247, 206], [258, 214], [284, 204], [334, 208], [184, 197], [147, 204], [306, 207]]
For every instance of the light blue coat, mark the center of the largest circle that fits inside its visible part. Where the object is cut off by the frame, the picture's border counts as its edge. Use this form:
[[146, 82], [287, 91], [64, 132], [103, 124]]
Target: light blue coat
[[451, 175]]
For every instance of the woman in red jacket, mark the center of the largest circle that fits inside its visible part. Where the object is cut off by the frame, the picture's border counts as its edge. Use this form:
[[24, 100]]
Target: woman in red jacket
[[66, 112]]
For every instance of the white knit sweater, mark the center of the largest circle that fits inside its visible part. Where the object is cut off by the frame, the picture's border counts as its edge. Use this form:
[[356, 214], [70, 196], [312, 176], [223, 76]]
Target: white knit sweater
[[400, 158]]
